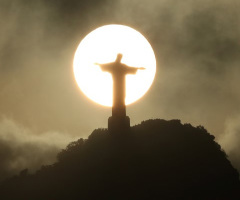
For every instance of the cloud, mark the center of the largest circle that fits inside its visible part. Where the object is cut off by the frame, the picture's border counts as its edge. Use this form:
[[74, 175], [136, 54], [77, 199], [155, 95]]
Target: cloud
[[230, 140], [196, 43], [20, 148]]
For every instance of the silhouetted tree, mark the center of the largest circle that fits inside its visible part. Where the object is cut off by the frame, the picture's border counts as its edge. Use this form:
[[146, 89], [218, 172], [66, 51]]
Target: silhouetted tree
[[157, 159]]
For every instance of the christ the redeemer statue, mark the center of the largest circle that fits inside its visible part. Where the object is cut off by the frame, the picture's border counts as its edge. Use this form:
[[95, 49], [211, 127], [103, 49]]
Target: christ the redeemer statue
[[119, 120]]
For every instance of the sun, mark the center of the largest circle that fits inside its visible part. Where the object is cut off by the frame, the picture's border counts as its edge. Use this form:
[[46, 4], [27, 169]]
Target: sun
[[102, 46]]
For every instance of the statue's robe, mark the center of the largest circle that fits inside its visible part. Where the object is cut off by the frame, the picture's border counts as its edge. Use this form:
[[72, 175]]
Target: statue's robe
[[119, 72]]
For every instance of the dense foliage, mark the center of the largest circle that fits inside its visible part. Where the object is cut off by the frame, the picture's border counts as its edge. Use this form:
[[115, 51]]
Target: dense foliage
[[157, 159]]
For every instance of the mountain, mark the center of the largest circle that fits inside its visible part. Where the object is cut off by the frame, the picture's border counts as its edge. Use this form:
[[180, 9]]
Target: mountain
[[156, 159]]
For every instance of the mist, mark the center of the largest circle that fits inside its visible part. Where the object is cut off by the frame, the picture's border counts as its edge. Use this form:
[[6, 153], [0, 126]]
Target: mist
[[230, 140], [196, 45], [21, 149]]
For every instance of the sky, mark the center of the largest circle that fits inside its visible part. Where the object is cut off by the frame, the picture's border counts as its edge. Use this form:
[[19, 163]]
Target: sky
[[196, 43]]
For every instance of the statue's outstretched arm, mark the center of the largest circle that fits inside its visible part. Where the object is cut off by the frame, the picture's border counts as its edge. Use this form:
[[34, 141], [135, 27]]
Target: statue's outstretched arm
[[141, 68], [105, 66]]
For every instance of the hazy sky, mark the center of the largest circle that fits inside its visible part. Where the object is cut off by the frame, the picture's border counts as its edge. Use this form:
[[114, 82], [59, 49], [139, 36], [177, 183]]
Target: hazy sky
[[197, 46]]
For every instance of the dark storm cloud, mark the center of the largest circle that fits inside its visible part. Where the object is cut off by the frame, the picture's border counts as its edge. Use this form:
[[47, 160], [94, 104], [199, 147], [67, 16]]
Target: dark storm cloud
[[196, 44]]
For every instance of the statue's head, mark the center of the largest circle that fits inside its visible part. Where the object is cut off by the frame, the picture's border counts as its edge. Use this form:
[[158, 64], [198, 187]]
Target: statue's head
[[119, 57]]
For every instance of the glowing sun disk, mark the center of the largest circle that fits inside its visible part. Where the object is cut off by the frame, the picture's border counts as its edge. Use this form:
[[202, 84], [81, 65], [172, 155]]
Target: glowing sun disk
[[102, 46]]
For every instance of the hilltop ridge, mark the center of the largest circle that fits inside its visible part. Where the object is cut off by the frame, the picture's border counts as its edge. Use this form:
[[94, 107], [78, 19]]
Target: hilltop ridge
[[156, 159]]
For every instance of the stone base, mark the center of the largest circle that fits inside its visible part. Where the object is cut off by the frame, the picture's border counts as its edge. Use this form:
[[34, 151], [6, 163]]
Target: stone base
[[118, 124]]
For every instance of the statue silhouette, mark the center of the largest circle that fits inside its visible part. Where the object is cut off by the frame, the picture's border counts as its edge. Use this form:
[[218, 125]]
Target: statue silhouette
[[119, 120]]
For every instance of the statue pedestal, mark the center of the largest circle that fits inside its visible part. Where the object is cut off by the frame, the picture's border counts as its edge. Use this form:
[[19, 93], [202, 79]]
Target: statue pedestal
[[118, 124]]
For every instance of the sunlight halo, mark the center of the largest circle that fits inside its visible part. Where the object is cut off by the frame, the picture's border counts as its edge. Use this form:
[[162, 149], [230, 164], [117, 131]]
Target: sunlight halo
[[102, 46]]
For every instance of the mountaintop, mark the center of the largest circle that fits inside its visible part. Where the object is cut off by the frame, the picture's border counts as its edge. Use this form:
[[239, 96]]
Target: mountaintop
[[156, 159]]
